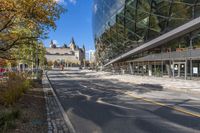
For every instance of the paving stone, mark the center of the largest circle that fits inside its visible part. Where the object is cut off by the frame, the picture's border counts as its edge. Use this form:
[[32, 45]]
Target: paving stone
[[56, 123]]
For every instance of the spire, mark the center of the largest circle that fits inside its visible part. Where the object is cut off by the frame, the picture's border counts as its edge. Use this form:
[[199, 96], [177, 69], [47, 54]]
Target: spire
[[72, 44], [65, 45], [72, 41], [52, 45], [83, 47]]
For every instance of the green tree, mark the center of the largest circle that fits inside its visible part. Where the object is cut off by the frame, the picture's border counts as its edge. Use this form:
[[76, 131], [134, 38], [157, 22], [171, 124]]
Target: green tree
[[24, 21]]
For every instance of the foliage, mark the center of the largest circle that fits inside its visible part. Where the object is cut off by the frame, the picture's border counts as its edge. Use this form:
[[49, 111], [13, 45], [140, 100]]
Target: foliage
[[55, 63], [3, 63], [13, 63], [14, 88], [7, 119], [28, 53], [50, 63], [24, 21]]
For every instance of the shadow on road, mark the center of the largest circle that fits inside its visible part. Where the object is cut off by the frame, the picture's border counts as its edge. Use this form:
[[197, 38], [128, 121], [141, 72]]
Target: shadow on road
[[86, 102]]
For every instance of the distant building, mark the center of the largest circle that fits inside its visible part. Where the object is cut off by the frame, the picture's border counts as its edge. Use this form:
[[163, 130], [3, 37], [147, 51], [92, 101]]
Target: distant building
[[91, 56], [70, 55]]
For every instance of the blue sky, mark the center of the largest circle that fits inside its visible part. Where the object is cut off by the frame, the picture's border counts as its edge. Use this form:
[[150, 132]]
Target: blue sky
[[76, 22]]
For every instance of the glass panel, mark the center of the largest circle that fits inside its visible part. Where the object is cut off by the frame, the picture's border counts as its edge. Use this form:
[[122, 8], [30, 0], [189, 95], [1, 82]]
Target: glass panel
[[121, 25]]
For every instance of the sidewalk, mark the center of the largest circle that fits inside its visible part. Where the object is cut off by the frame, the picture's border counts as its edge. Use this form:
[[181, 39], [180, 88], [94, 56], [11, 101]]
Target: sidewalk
[[176, 94], [55, 119], [168, 83], [188, 86]]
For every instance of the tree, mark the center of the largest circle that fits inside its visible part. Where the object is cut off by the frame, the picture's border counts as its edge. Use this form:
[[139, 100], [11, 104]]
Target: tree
[[50, 63], [28, 53], [24, 21], [3, 63], [55, 63]]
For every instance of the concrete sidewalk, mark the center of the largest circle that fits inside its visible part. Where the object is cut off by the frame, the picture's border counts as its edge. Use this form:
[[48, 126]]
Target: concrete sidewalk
[[188, 86], [176, 94], [168, 83]]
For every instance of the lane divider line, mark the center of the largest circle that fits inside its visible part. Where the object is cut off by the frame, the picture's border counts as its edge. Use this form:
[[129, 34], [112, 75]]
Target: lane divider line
[[66, 118], [178, 109]]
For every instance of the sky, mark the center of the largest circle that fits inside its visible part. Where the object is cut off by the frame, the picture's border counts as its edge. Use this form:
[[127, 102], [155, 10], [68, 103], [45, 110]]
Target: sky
[[76, 22]]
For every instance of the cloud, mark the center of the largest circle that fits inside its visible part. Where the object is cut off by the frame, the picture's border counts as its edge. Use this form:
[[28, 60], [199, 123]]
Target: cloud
[[73, 1], [55, 41]]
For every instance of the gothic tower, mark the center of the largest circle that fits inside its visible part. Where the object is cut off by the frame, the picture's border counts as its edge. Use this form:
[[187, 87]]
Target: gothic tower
[[72, 44]]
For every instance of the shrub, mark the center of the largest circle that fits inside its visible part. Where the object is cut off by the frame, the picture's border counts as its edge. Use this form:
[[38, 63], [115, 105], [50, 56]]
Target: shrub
[[7, 119], [16, 85]]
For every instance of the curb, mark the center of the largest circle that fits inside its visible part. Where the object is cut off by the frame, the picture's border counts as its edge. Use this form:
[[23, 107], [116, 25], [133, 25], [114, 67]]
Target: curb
[[66, 118]]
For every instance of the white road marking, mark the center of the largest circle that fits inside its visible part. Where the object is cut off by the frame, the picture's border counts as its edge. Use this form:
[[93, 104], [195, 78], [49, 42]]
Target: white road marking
[[90, 88], [114, 105], [87, 96]]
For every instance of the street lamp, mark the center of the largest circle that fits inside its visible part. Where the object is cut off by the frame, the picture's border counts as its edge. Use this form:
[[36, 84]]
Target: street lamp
[[37, 61]]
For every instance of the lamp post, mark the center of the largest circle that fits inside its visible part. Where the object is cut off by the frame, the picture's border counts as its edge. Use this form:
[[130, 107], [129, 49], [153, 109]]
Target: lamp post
[[37, 61]]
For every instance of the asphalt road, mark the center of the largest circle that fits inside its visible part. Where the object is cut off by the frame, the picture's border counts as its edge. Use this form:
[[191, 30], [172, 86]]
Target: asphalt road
[[101, 106]]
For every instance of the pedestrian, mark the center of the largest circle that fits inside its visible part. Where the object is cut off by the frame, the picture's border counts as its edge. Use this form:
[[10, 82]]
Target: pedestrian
[[62, 66]]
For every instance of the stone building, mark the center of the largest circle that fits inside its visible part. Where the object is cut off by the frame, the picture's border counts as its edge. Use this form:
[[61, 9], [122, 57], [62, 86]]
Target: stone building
[[91, 56], [70, 55]]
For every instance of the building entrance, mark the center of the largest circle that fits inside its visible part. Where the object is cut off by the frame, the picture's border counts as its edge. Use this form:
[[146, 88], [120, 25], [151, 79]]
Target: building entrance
[[179, 69]]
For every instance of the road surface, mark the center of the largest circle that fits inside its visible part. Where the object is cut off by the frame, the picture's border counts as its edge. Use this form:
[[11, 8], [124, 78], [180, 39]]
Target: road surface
[[95, 105]]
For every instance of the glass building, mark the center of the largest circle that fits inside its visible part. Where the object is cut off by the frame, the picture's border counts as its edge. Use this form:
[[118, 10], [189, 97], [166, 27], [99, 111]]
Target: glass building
[[148, 37]]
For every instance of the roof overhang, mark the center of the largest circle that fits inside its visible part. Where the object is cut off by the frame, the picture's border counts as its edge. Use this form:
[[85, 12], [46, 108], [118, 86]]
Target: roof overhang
[[173, 34]]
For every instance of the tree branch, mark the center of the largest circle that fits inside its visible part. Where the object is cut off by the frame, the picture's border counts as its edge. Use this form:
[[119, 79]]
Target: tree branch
[[7, 24], [16, 42]]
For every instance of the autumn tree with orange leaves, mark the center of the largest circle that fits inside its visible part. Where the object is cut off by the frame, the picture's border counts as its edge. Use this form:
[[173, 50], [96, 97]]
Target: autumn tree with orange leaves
[[25, 21]]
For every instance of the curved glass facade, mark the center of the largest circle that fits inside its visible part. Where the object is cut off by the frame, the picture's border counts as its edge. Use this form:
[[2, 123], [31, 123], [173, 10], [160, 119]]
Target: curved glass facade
[[103, 11], [122, 25]]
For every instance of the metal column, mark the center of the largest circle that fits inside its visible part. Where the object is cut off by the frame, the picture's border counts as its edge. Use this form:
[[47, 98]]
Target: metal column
[[131, 68]]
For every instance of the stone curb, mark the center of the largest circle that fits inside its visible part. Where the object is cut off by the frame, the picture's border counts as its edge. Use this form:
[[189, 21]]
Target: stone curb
[[64, 115]]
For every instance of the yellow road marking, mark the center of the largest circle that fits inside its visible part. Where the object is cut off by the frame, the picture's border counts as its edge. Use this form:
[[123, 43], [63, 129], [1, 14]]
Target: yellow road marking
[[178, 109], [184, 111]]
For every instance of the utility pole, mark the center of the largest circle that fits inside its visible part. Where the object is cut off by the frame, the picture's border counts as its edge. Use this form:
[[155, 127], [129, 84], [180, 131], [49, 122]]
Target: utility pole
[[32, 54]]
